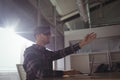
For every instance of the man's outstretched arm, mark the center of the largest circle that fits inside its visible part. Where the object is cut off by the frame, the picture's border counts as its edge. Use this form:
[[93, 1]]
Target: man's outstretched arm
[[71, 49]]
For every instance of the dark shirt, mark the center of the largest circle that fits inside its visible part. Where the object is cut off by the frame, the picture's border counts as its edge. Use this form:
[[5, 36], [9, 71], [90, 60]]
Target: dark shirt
[[38, 61]]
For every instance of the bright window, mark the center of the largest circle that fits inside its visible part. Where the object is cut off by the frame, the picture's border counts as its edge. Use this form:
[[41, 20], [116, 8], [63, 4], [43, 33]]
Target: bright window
[[12, 47]]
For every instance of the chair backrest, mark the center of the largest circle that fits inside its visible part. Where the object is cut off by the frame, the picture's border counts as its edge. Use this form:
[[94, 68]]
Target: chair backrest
[[21, 71]]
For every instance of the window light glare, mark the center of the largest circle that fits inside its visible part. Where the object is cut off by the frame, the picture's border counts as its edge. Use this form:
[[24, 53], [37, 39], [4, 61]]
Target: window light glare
[[10, 30]]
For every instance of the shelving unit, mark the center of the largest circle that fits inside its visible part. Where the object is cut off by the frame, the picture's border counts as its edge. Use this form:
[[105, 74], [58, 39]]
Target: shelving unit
[[83, 62], [103, 51], [96, 59], [115, 56], [104, 58]]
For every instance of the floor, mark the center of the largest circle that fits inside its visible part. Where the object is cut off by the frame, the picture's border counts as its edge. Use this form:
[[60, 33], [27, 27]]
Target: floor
[[9, 76]]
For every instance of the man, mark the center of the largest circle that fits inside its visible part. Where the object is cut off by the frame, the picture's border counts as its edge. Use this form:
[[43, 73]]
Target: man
[[38, 60]]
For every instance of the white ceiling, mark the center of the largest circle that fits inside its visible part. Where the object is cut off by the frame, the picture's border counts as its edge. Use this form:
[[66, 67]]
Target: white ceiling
[[64, 7]]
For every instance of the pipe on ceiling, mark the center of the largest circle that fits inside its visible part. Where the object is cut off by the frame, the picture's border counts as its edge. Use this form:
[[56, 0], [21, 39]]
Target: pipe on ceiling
[[82, 10]]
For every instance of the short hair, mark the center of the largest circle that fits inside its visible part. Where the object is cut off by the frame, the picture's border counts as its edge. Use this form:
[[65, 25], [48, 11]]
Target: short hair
[[42, 29]]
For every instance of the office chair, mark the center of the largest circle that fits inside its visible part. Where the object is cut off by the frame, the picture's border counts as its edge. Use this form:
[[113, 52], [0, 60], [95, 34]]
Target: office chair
[[21, 72]]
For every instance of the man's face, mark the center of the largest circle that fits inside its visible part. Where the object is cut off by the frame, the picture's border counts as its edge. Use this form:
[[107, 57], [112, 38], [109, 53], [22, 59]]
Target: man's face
[[45, 37]]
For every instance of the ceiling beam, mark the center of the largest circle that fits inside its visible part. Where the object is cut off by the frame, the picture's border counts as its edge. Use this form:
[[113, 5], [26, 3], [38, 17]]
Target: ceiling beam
[[70, 16], [75, 14]]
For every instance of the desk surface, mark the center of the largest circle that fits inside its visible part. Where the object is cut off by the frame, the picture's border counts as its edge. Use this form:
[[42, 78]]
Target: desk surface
[[97, 76]]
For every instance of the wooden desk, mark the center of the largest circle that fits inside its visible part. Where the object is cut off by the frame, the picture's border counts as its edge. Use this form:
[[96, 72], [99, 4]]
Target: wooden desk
[[97, 76]]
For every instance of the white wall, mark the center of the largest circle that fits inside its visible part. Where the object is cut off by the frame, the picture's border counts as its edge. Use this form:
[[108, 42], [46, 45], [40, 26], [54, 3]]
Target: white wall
[[107, 31]]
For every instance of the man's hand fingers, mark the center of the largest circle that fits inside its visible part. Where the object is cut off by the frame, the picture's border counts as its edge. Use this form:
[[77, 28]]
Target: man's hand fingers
[[90, 36]]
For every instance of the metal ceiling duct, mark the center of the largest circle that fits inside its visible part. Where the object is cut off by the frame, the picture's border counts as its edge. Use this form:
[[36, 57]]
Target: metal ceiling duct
[[82, 10]]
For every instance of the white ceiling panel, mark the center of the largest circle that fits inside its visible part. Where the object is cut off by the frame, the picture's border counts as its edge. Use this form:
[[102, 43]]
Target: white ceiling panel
[[65, 7]]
